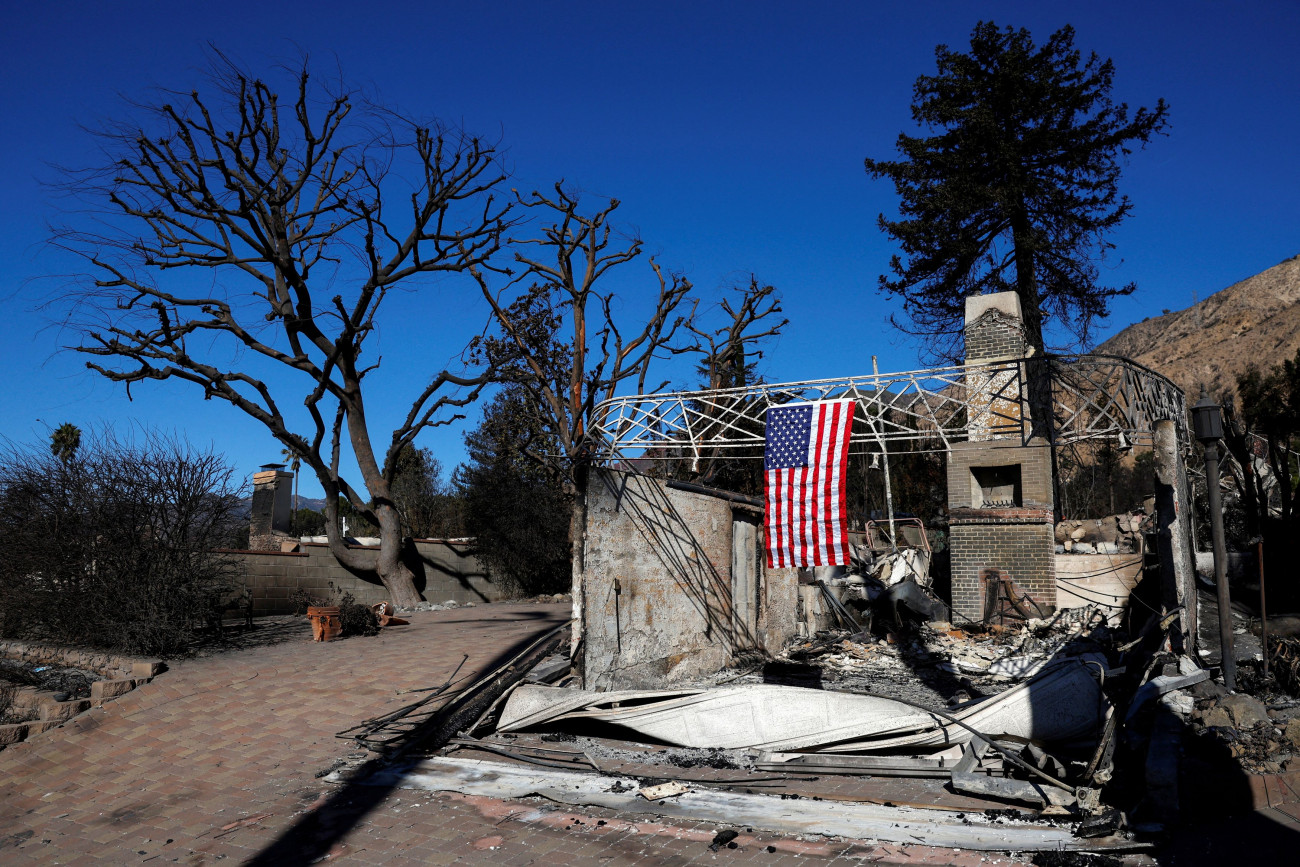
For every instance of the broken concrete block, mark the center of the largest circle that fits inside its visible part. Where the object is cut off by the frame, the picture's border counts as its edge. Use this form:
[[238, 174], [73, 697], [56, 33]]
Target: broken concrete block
[[106, 689], [1246, 710], [1217, 717], [26, 697], [1107, 531], [670, 789], [1292, 733], [147, 669], [1179, 702], [59, 711], [1209, 689]]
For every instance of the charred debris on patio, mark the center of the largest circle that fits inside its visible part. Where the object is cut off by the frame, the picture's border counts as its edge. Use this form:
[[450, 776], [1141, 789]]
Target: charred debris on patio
[[1050, 705]]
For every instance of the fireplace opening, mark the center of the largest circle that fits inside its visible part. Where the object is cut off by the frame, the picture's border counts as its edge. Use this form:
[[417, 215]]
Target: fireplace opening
[[996, 487]]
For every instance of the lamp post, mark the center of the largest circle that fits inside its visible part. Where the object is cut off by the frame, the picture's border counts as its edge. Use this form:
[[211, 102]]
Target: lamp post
[[1207, 421]]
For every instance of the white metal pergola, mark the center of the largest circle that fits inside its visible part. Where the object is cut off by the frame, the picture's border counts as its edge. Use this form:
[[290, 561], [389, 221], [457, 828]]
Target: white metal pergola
[[1094, 397]]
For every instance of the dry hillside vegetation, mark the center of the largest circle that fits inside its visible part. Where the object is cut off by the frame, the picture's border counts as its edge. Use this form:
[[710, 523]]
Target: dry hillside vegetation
[[1256, 321]]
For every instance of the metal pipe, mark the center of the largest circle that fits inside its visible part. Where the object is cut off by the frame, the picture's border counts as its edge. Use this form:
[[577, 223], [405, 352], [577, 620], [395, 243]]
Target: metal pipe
[[1226, 650], [730, 496], [1263, 607], [889, 494]]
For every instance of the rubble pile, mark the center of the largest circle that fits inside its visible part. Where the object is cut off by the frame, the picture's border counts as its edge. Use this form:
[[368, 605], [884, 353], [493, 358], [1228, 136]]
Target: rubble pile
[[1114, 534], [449, 605], [942, 659], [1263, 738]]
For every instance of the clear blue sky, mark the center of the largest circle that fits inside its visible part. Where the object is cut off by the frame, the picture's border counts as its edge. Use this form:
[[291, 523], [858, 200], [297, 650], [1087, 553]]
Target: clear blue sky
[[733, 133]]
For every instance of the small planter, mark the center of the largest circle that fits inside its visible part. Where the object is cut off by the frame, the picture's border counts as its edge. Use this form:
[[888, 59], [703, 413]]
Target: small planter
[[325, 622]]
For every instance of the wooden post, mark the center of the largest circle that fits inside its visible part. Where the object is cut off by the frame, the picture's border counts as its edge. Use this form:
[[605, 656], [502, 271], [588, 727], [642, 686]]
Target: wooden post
[[1173, 525]]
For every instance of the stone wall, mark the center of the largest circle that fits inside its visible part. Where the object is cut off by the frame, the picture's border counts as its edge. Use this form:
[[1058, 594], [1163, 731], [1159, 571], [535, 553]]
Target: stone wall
[[675, 584], [444, 570], [101, 662]]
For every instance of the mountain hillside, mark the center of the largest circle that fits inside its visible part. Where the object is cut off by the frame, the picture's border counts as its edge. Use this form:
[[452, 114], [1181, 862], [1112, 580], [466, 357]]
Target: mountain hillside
[[1256, 321]]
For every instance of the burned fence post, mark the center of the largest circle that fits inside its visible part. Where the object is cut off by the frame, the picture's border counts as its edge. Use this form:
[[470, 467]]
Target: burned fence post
[[1177, 570]]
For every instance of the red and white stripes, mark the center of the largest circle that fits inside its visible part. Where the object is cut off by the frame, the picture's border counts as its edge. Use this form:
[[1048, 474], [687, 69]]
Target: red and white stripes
[[807, 517]]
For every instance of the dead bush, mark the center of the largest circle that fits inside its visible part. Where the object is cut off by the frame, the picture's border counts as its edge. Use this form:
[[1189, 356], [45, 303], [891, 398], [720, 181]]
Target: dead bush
[[112, 545]]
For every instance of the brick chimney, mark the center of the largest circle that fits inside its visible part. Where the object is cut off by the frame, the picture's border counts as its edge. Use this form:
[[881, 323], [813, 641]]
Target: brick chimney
[[272, 508], [1000, 499]]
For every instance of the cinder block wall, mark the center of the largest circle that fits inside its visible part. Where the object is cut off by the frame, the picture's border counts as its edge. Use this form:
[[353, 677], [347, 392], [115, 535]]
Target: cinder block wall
[[446, 570], [657, 594]]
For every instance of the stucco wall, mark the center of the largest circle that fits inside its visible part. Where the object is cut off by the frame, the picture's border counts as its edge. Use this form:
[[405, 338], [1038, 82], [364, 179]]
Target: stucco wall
[[444, 570], [1103, 580], [661, 602]]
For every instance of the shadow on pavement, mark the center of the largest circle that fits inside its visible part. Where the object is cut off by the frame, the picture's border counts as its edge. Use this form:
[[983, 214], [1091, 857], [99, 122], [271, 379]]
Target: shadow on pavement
[[318, 831]]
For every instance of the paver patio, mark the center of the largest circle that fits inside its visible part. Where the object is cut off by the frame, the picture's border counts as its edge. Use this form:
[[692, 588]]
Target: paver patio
[[217, 760]]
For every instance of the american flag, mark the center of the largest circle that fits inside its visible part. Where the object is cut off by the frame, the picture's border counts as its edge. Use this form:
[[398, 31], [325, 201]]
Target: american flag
[[807, 447]]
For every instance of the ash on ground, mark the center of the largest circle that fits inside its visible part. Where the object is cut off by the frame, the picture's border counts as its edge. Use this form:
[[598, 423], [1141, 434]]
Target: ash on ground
[[933, 664]]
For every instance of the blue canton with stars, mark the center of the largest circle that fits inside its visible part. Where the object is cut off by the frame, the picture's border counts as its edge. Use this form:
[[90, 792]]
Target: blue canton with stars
[[788, 430]]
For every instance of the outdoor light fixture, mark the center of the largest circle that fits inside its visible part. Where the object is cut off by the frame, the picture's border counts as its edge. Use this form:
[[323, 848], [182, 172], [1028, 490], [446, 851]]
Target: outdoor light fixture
[[1207, 419], [1207, 423]]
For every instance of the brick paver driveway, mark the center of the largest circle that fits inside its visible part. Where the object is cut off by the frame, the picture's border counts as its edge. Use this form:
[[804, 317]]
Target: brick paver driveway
[[220, 758], [158, 773], [219, 761]]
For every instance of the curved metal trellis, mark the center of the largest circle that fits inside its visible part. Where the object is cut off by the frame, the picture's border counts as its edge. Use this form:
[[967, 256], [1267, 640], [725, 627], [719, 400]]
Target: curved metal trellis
[[1093, 396]]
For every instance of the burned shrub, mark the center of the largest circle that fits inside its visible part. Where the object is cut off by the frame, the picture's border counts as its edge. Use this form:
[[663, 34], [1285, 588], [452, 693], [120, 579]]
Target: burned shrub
[[115, 545], [354, 618]]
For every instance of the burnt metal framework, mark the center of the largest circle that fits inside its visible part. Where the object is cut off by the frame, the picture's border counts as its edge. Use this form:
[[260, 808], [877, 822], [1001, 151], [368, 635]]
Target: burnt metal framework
[[1095, 397]]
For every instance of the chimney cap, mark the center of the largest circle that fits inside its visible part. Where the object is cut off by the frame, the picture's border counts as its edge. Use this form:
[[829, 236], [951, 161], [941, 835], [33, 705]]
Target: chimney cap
[[271, 467]]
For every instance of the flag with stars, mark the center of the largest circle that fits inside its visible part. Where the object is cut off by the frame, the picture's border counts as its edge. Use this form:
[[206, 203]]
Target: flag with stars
[[805, 455]]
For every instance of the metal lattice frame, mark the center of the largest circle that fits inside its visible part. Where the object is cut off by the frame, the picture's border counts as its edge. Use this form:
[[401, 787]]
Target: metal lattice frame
[[1094, 397], [1109, 397]]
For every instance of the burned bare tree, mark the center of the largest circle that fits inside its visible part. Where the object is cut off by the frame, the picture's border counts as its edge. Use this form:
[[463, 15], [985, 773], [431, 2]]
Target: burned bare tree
[[565, 377], [729, 355], [245, 243], [730, 352], [558, 338]]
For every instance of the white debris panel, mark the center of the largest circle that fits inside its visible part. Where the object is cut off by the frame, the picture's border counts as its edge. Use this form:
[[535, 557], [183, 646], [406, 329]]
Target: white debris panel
[[1062, 703], [805, 816]]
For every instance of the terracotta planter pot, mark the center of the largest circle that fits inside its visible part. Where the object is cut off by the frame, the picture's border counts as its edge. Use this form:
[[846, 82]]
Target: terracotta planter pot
[[325, 622]]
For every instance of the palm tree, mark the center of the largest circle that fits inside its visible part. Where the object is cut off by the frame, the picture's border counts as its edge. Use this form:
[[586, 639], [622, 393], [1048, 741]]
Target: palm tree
[[65, 441]]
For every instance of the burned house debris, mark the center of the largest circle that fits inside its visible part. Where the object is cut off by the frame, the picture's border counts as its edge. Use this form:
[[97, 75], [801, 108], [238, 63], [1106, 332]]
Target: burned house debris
[[699, 680]]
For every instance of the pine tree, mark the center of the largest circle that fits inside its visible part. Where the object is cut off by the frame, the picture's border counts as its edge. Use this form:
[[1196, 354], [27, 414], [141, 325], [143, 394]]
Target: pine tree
[[1017, 187]]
